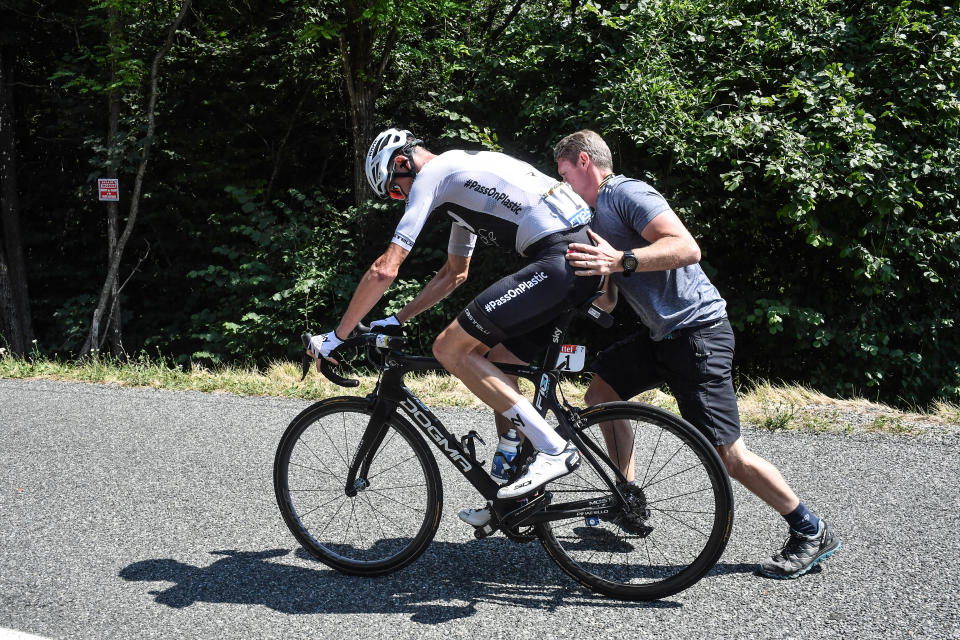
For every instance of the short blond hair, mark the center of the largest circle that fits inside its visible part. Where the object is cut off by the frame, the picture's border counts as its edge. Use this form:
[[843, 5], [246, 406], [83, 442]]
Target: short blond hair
[[587, 141]]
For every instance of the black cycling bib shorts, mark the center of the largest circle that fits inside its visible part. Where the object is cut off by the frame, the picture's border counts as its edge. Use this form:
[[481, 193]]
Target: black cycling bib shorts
[[536, 294]]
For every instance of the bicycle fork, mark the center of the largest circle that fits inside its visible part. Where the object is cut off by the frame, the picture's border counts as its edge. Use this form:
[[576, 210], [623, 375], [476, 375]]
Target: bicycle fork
[[370, 442], [383, 409]]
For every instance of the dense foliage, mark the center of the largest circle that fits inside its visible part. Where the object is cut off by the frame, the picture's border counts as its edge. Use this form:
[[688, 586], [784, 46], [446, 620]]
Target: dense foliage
[[811, 146]]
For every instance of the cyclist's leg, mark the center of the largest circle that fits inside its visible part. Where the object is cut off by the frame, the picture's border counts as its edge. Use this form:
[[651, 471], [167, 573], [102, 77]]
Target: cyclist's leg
[[521, 350], [513, 306], [463, 355], [527, 299], [501, 353]]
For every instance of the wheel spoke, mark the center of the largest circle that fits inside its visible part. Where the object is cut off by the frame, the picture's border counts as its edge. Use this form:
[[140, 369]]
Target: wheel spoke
[[383, 471]]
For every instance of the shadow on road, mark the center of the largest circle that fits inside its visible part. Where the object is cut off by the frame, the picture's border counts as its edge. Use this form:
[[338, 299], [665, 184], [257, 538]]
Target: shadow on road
[[438, 587]]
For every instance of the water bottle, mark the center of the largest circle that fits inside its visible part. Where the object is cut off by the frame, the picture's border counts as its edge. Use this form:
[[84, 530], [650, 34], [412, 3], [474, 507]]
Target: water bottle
[[503, 458]]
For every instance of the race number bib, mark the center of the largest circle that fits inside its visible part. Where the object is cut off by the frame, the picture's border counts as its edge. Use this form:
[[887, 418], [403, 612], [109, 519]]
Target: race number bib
[[572, 358]]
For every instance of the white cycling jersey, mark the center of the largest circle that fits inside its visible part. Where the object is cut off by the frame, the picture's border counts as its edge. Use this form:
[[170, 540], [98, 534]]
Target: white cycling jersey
[[501, 200]]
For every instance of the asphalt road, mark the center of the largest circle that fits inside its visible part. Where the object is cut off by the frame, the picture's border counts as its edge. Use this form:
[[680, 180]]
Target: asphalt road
[[150, 514]]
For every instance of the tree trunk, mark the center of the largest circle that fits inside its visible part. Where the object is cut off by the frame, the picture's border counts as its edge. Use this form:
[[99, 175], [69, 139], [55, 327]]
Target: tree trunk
[[113, 223], [15, 316], [113, 207], [93, 338], [362, 114], [10, 333], [363, 69]]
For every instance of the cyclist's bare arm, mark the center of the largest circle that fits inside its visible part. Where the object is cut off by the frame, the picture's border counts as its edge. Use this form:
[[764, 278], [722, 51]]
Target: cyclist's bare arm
[[450, 276], [373, 285]]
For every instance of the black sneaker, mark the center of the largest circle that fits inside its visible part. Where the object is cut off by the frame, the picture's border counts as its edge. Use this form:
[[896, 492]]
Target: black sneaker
[[801, 553]]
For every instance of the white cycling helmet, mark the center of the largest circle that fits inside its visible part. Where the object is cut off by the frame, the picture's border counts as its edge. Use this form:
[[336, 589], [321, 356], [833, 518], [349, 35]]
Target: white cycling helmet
[[380, 164]]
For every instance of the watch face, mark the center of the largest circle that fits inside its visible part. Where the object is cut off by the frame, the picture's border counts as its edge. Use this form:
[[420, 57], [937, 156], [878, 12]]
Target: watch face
[[629, 262]]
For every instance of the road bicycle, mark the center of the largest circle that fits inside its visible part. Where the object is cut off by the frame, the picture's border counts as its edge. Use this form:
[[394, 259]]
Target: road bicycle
[[646, 515]]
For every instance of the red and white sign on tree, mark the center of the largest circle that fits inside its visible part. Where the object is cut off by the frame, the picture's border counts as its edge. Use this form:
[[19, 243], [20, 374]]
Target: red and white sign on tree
[[109, 189]]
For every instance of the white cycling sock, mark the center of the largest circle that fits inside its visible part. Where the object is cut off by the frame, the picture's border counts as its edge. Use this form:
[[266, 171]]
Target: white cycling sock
[[531, 424]]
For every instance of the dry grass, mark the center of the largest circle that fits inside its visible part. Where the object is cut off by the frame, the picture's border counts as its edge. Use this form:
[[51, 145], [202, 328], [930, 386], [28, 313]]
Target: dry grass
[[768, 406], [947, 412], [796, 407]]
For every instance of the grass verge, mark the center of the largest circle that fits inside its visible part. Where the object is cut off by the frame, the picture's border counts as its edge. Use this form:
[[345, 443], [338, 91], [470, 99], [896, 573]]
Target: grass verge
[[767, 406]]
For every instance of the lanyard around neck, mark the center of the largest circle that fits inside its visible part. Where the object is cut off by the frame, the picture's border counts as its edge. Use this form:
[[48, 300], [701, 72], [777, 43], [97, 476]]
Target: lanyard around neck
[[604, 181]]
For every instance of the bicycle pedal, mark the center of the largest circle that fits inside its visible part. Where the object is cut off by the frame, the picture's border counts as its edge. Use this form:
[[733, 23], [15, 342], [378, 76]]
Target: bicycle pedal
[[483, 532]]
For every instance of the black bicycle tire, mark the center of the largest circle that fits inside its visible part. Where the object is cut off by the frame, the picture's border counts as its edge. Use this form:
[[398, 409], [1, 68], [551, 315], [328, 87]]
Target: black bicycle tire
[[722, 521], [434, 489]]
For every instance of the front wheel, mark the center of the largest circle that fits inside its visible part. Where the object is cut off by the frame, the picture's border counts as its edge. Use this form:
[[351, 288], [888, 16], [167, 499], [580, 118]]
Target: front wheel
[[394, 511], [678, 512]]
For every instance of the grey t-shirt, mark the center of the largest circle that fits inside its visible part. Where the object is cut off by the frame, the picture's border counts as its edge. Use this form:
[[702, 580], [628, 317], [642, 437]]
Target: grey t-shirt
[[664, 300]]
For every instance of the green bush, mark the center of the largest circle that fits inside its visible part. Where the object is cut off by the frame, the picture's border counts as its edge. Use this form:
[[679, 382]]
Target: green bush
[[293, 265], [813, 147], [283, 268]]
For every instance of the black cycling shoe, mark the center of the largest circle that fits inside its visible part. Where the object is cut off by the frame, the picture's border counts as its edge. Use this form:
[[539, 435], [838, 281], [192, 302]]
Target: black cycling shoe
[[801, 553]]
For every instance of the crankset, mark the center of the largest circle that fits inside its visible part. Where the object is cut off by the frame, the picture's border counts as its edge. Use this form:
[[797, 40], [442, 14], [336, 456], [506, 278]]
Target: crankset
[[513, 522]]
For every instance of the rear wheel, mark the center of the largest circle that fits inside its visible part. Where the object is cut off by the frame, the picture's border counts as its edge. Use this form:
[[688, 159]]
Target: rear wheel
[[394, 513], [679, 497]]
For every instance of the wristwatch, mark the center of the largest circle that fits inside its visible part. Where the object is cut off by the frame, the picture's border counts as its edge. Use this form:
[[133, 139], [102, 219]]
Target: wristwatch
[[629, 263]]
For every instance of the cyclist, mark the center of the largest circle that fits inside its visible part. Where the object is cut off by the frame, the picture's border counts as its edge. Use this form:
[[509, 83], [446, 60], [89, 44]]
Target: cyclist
[[506, 203], [683, 337]]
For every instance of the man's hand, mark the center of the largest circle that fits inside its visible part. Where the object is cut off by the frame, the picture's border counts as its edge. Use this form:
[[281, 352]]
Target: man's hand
[[389, 326], [322, 346], [591, 260]]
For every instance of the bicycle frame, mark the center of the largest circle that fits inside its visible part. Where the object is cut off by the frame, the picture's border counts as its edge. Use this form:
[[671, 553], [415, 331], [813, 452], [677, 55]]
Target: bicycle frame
[[391, 394]]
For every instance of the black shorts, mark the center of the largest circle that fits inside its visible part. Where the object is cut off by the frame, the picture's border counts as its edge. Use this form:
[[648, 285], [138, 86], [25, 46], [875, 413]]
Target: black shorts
[[531, 297], [697, 365]]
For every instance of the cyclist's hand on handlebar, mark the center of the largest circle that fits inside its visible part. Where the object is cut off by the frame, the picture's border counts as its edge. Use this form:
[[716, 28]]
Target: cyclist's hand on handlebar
[[389, 326], [322, 346]]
